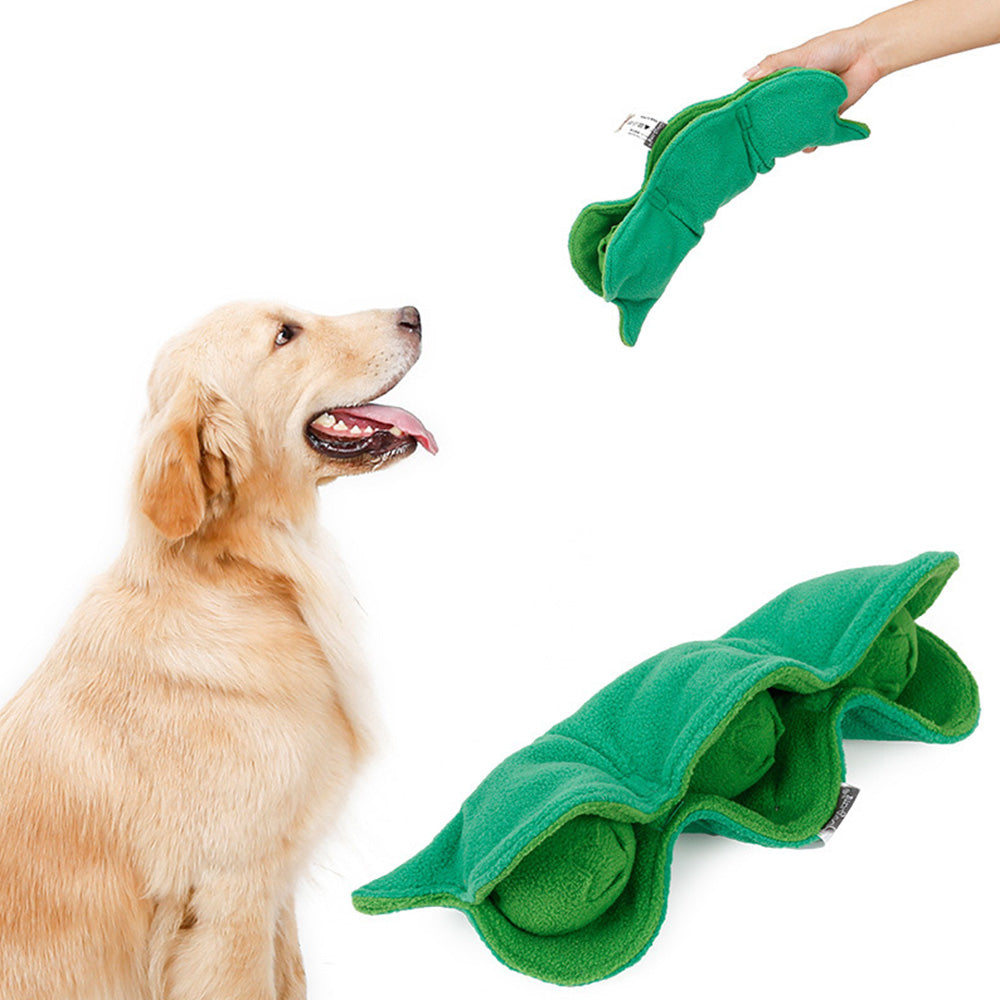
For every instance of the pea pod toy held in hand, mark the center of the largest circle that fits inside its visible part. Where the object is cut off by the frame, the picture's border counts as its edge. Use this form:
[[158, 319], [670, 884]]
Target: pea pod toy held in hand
[[561, 857], [627, 251]]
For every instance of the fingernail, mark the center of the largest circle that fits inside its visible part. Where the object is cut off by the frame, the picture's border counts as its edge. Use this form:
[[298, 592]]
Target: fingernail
[[752, 72]]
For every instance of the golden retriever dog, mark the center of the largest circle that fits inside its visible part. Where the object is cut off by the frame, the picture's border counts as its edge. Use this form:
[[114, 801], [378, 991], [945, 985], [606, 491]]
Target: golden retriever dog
[[166, 770]]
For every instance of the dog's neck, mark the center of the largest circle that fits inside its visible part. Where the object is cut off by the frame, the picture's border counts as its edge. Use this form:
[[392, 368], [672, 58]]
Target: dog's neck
[[277, 542]]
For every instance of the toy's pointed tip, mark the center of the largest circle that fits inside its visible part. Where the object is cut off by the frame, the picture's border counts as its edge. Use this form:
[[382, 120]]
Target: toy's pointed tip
[[631, 316]]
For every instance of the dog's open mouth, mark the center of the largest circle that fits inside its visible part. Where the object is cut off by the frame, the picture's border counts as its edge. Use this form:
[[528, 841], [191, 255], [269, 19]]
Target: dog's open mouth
[[367, 430]]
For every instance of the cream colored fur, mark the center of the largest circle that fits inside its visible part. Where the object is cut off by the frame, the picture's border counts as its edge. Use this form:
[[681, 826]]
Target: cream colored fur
[[166, 770]]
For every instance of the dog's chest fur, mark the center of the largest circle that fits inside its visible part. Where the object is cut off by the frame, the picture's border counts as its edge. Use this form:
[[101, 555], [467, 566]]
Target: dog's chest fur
[[228, 716]]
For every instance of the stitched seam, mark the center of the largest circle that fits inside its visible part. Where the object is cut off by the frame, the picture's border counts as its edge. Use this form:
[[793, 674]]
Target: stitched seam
[[757, 163]]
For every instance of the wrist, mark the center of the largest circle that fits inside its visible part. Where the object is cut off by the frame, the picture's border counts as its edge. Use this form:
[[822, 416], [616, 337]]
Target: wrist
[[876, 46]]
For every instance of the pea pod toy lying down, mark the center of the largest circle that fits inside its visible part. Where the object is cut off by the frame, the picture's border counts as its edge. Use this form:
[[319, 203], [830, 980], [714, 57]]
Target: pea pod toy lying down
[[627, 251], [561, 857]]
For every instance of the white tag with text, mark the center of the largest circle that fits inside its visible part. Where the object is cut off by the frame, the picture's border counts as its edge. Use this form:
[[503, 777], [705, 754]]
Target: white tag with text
[[642, 127]]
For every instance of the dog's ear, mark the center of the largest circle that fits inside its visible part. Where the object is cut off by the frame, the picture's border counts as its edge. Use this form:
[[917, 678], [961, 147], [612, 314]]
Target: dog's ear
[[191, 455]]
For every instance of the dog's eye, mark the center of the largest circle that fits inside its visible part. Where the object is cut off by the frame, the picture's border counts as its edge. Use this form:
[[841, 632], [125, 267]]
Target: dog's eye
[[287, 332]]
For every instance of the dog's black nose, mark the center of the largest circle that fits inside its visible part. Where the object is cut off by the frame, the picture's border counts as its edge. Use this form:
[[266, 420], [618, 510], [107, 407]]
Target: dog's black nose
[[409, 318]]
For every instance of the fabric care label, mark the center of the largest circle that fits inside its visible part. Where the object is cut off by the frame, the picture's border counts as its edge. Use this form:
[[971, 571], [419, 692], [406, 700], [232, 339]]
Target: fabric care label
[[642, 127], [848, 796]]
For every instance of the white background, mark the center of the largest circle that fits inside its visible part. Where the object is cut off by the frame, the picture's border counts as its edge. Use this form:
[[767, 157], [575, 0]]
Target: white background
[[816, 390]]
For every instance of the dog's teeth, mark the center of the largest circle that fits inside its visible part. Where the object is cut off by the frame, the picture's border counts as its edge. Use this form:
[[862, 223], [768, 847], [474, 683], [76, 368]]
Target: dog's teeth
[[396, 431], [329, 422]]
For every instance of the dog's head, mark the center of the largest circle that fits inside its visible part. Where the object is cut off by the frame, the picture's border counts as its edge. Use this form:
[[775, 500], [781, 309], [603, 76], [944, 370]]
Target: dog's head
[[262, 401]]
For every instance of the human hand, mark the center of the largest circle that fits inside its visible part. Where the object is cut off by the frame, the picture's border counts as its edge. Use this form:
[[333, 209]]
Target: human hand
[[902, 36], [843, 52]]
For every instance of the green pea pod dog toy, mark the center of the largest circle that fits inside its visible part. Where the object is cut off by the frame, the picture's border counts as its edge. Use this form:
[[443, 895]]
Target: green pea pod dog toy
[[627, 251], [561, 857]]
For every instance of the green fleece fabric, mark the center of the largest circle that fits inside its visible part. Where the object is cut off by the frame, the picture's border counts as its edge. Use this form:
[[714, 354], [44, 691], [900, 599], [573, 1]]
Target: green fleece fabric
[[561, 857], [627, 251]]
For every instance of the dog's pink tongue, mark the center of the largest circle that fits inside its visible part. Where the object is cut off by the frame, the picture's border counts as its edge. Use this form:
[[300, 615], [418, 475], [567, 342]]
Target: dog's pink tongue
[[393, 416]]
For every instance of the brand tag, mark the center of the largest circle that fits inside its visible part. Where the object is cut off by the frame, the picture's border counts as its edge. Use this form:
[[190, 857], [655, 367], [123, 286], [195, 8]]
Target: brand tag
[[848, 796], [642, 127]]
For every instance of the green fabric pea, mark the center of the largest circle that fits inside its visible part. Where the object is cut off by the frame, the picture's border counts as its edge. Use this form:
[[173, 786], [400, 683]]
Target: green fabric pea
[[744, 752], [892, 658], [570, 879]]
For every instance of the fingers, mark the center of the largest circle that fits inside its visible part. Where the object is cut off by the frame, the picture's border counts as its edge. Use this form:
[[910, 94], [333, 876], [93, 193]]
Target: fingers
[[776, 61], [844, 52]]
